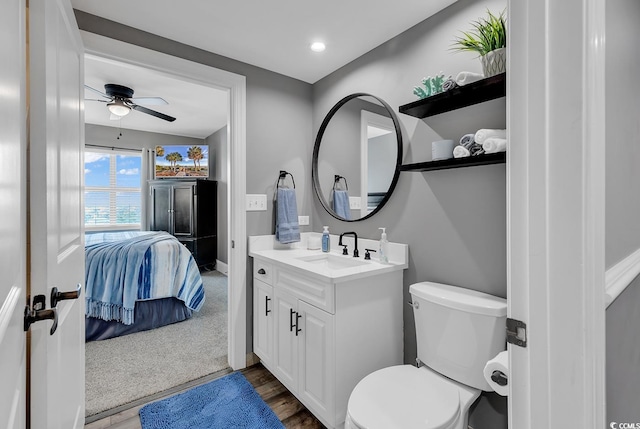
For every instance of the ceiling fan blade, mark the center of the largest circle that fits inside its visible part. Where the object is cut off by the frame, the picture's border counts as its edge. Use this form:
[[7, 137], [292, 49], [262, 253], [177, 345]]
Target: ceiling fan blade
[[149, 101], [93, 99], [152, 112], [97, 92]]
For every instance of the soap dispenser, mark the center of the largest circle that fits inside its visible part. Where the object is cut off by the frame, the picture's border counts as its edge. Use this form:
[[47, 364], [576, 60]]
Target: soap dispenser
[[384, 247], [326, 244]]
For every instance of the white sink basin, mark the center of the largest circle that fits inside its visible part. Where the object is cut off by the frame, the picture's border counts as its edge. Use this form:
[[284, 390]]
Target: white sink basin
[[333, 262]]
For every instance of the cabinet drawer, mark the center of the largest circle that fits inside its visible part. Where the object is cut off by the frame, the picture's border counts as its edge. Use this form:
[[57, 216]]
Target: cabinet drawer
[[309, 290], [263, 271]]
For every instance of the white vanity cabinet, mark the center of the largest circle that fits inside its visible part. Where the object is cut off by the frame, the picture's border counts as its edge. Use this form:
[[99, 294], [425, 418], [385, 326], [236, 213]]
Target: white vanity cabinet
[[320, 336]]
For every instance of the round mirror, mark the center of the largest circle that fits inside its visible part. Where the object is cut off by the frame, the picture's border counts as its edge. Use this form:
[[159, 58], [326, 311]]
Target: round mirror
[[356, 157]]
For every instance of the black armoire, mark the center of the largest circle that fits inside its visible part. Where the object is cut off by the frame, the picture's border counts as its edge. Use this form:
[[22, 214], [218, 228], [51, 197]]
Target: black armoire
[[187, 209]]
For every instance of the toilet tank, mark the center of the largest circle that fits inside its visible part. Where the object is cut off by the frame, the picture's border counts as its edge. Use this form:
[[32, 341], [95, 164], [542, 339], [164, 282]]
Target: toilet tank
[[458, 330]]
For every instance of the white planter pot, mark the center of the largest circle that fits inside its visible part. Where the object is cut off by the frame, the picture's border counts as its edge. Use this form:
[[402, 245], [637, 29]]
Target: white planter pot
[[494, 62]]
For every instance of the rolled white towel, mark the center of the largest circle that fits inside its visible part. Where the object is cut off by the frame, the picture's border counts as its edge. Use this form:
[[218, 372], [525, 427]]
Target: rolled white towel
[[484, 133], [494, 145], [465, 78], [461, 152]]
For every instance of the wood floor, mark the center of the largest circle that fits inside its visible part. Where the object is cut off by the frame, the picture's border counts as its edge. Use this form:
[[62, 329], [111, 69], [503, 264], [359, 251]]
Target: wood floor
[[289, 410]]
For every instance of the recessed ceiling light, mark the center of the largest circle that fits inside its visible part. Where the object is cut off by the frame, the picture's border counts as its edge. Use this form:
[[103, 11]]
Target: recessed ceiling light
[[318, 47]]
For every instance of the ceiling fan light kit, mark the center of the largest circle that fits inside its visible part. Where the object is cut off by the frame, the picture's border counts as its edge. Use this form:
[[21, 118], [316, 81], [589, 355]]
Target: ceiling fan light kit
[[118, 108]]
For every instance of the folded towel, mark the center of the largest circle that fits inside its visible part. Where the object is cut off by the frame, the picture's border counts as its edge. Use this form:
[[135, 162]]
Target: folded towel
[[449, 84], [483, 134], [465, 78], [287, 228], [341, 204], [494, 145], [467, 140], [460, 152]]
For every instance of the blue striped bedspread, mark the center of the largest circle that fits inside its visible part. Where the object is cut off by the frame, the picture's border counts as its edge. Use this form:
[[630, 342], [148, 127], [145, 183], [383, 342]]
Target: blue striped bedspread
[[125, 267]]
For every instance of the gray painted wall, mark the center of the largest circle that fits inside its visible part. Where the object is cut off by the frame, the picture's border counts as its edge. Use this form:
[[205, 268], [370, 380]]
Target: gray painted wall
[[218, 158], [623, 356], [622, 130], [453, 220], [622, 206]]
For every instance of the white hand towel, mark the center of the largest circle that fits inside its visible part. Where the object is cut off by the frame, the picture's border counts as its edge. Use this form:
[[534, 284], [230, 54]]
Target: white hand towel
[[460, 152], [494, 145], [465, 78], [483, 134]]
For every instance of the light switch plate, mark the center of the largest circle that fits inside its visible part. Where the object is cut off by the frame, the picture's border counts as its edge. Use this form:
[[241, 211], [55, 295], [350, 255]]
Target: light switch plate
[[354, 203], [256, 202], [303, 220]]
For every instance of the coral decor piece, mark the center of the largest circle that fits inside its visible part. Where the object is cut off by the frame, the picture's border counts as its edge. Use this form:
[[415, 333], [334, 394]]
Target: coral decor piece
[[430, 86]]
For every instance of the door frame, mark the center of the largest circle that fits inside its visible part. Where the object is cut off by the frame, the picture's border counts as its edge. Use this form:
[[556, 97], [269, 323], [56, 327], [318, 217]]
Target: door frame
[[555, 212], [379, 121], [235, 85]]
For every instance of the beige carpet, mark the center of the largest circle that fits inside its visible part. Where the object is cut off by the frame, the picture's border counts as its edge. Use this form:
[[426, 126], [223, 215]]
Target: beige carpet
[[121, 370]]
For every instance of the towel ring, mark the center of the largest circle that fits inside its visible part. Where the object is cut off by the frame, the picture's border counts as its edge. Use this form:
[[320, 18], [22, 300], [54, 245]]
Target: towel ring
[[282, 176], [336, 182]]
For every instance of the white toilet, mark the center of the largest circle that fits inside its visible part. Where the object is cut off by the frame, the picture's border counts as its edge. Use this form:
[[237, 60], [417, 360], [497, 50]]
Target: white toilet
[[457, 331]]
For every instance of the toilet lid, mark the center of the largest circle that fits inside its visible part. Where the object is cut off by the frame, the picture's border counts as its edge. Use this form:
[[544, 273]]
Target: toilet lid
[[404, 397]]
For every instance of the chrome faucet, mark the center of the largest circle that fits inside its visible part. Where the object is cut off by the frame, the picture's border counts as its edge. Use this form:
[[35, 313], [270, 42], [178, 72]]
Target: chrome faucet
[[355, 236]]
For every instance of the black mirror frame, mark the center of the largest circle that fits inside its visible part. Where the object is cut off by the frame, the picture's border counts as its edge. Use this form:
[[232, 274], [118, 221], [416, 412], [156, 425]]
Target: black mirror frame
[[316, 150]]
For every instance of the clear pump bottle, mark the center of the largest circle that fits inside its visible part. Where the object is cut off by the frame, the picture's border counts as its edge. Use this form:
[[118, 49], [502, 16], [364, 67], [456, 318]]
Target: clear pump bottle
[[326, 242], [384, 247]]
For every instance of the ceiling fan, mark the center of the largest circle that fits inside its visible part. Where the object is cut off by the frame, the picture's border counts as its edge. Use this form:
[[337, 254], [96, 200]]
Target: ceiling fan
[[120, 102]]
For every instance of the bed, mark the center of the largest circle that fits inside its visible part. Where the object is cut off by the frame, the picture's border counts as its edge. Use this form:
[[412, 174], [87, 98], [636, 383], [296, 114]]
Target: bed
[[138, 280]]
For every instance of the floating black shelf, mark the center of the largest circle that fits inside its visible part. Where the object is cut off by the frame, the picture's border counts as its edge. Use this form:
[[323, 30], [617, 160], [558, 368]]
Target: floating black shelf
[[477, 92], [469, 161]]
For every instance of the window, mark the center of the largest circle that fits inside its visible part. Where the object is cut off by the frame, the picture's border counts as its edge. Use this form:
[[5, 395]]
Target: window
[[112, 189]]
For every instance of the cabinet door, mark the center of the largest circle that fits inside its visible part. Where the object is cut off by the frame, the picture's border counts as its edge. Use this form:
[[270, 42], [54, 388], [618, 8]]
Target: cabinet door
[[317, 360], [183, 210], [286, 344], [263, 316], [160, 209]]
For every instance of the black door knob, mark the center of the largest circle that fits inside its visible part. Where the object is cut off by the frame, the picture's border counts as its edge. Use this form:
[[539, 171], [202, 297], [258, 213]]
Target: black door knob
[[32, 316], [57, 296]]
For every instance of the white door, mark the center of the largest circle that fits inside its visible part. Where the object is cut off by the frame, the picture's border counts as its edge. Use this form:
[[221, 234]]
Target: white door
[[555, 206], [56, 207], [13, 214]]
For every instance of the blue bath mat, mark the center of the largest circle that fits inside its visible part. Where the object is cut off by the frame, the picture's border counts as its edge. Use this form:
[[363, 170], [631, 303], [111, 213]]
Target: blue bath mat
[[229, 402]]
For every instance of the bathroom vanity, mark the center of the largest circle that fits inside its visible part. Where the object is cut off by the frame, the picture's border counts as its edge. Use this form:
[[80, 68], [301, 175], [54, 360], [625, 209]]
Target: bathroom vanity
[[323, 321]]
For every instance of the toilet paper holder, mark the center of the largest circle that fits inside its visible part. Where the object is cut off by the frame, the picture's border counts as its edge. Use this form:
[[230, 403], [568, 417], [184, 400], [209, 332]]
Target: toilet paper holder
[[499, 378]]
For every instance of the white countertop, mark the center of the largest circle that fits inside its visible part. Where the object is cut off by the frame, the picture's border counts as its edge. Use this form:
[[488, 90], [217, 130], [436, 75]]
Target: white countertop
[[266, 248]]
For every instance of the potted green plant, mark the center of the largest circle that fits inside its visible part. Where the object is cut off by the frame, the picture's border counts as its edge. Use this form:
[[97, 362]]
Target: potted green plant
[[489, 39]]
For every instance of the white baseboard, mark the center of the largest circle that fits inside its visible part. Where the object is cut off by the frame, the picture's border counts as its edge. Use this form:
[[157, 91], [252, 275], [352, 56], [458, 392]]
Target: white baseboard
[[221, 267], [621, 275]]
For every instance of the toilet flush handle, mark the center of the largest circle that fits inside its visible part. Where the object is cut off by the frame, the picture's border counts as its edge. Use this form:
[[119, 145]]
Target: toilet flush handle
[[415, 305]]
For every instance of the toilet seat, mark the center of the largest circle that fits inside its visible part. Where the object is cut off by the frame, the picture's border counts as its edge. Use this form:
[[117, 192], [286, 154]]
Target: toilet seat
[[404, 397]]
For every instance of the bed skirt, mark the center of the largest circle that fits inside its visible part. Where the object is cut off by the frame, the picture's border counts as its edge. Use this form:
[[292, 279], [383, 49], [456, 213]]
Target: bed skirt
[[147, 315]]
